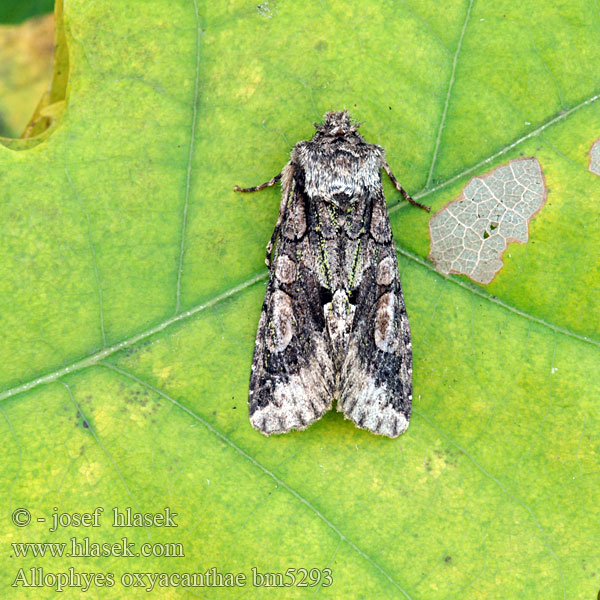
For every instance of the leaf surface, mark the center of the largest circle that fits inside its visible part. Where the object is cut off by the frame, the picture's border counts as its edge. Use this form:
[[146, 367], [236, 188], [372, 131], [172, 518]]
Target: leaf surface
[[133, 276]]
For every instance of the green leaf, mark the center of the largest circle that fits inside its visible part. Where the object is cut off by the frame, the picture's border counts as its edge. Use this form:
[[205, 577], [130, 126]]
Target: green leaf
[[132, 278]]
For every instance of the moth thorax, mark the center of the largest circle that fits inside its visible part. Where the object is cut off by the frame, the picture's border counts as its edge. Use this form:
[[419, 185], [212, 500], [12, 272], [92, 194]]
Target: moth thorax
[[345, 202]]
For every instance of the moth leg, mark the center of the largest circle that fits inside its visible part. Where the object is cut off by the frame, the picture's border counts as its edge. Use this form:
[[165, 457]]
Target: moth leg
[[402, 190], [286, 186], [260, 187]]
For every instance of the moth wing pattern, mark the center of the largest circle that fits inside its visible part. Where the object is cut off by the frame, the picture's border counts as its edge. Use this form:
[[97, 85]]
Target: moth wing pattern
[[334, 322], [375, 389], [292, 378]]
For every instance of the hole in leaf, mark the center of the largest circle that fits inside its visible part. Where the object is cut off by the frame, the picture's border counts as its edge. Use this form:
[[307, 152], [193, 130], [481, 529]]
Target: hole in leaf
[[594, 165], [454, 248], [33, 51]]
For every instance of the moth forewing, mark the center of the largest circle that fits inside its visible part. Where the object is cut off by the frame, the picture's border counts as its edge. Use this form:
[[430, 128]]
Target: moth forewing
[[333, 322]]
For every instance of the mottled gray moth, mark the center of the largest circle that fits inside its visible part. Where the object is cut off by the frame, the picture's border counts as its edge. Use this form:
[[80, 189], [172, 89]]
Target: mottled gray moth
[[333, 323]]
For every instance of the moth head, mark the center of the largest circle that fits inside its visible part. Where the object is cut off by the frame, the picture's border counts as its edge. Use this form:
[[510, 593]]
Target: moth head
[[337, 123]]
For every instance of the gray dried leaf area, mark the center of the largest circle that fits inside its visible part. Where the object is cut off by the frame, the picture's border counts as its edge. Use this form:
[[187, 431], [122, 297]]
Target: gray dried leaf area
[[595, 158], [470, 234]]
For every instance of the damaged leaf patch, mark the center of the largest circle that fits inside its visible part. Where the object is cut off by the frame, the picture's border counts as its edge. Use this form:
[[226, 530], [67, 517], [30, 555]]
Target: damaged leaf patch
[[595, 157], [470, 234]]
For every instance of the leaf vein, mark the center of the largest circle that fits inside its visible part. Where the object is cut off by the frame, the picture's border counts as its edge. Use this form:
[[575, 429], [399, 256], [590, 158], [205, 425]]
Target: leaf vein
[[102, 446], [560, 116], [448, 94], [189, 164], [93, 253], [471, 288], [266, 471], [504, 490], [96, 357]]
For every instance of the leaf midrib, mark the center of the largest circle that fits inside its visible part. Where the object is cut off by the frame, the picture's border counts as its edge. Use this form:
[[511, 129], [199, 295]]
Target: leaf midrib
[[97, 357]]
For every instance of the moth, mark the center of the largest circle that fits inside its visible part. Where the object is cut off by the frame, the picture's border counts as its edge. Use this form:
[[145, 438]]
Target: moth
[[333, 322]]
